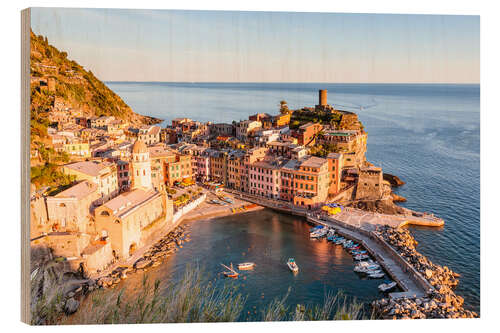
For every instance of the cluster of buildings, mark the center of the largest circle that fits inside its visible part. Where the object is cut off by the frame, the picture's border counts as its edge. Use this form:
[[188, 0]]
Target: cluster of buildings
[[119, 198]]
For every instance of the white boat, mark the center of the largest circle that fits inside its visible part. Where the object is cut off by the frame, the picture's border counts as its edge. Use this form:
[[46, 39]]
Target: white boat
[[331, 232], [246, 265], [361, 257], [368, 265], [387, 286], [376, 275], [318, 233], [292, 265]]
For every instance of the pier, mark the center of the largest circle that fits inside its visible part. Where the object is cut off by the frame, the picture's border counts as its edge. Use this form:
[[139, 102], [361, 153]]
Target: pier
[[361, 227]]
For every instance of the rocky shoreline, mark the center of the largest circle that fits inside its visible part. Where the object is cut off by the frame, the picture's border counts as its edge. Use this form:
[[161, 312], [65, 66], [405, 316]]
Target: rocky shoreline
[[441, 302], [153, 257]]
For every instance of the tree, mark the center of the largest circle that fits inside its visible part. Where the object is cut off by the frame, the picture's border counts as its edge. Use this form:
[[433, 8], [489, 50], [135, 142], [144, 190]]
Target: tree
[[284, 107]]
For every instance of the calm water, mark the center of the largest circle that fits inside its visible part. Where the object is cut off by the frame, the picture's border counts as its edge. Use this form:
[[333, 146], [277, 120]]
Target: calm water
[[426, 134], [268, 239]]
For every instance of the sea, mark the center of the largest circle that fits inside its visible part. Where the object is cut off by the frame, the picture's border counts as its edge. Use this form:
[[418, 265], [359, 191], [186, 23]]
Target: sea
[[426, 134]]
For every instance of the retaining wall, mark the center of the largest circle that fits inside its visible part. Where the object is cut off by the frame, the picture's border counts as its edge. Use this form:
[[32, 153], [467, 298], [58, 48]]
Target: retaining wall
[[187, 208]]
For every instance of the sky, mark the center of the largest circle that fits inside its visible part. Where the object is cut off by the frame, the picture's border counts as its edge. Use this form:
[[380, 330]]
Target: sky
[[232, 46]]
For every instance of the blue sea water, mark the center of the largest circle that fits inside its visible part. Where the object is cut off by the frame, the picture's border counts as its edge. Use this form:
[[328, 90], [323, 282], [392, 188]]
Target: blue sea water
[[427, 134]]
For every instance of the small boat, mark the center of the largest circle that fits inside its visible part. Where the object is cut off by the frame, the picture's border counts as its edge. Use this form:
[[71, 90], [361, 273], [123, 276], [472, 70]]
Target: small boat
[[376, 275], [316, 228], [318, 233], [361, 257], [340, 241], [292, 265], [228, 200], [387, 286], [368, 265], [246, 265], [231, 273], [356, 252], [331, 232]]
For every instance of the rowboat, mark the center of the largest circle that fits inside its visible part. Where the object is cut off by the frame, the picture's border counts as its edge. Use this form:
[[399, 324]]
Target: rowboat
[[292, 265], [387, 286], [246, 265], [231, 273]]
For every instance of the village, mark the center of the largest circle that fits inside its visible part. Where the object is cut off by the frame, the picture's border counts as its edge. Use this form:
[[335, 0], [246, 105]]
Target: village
[[132, 187], [129, 182]]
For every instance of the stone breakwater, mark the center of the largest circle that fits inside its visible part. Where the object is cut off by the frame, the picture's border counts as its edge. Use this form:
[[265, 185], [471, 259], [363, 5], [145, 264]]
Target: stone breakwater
[[153, 257], [440, 302]]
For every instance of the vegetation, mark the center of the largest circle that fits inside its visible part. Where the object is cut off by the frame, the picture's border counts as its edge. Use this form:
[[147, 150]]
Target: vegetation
[[192, 299], [323, 150], [303, 116], [50, 175], [78, 88]]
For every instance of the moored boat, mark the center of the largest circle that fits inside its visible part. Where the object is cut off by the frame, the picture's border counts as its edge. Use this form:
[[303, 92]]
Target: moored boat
[[387, 286], [246, 265], [361, 257], [231, 273], [376, 275], [318, 233]]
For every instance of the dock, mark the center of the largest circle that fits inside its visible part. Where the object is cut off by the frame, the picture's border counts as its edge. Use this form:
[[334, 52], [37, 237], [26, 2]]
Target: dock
[[361, 227], [408, 279]]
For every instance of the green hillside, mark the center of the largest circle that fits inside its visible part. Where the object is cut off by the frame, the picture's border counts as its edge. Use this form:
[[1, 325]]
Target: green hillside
[[78, 88]]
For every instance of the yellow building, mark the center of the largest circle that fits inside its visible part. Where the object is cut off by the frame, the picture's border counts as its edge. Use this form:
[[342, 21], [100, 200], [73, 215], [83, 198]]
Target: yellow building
[[77, 149], [104, 174], [129, 220]]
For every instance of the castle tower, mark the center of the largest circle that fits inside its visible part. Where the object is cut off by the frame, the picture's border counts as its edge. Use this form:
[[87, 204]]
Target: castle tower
[[323, 100], [141, 166]]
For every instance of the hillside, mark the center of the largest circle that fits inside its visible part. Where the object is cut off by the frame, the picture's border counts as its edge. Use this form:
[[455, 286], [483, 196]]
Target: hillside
[[54, 75]]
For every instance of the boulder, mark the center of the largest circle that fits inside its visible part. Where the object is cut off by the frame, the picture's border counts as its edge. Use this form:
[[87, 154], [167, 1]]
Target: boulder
[[71, 305]]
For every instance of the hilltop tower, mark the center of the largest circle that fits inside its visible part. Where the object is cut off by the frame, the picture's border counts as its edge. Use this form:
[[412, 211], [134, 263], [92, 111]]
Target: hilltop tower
[[141, 166], [323, 100]]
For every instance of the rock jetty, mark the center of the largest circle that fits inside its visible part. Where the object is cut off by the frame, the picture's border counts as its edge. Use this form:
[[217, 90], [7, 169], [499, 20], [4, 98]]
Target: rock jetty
[[440, 302], [153, 257], [395, 181]]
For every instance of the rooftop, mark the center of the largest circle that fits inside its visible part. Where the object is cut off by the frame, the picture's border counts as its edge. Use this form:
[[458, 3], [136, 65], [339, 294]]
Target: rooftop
[[78, 191], [129, 200], [313, 162], [91, 168]]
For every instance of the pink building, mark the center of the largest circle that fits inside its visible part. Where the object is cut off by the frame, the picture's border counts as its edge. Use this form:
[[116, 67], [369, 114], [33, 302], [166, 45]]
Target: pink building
[[264, 178], [201, 166]]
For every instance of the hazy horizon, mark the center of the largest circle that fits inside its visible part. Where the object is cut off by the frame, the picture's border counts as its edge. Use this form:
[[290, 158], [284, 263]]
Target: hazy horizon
[[128, 45]]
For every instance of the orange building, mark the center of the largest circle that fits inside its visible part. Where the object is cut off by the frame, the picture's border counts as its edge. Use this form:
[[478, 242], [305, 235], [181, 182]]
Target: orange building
[[335, 165], [307, 132]]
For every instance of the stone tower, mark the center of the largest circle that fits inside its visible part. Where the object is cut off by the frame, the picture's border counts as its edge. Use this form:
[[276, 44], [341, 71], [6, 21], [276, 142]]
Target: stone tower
[[141, 166], [323, 100]]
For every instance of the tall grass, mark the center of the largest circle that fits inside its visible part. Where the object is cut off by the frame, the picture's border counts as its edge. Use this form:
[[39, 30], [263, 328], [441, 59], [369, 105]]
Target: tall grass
[[194, 299], [335, 307]]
